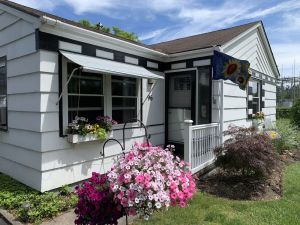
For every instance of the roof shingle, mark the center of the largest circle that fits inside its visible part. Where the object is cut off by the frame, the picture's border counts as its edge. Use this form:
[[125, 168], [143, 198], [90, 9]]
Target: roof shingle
[[201, 41]]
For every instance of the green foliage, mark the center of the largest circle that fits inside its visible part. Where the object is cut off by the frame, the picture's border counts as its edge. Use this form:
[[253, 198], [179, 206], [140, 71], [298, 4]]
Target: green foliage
[[30, 205], [295, 113], [290, 138], [115, 30], [283, 113], [101, 134], [211, 210], [65, 190], [124, 34]]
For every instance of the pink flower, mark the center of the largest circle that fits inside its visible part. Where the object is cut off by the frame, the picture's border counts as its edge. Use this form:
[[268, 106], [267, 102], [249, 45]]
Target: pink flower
[[151, 176], [139, 179], [180, 195], [182, 204], [173, 196]]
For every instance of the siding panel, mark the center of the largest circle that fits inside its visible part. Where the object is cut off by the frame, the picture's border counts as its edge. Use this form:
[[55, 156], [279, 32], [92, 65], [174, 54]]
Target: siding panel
[[15, 31]]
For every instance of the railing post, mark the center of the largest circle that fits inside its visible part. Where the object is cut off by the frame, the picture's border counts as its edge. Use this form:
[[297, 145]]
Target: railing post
[[188, 141]]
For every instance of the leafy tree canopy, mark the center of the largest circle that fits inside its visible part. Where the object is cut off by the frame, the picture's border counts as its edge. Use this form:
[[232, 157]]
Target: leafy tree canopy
[[115, 30]]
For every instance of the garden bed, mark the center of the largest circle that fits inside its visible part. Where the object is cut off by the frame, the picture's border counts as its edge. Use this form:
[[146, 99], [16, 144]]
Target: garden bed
[[233, 186], [30, 206]]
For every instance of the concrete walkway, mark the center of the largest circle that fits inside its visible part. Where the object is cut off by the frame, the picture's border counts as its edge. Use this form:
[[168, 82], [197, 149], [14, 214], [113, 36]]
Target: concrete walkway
[[2, 222], [66, 218]]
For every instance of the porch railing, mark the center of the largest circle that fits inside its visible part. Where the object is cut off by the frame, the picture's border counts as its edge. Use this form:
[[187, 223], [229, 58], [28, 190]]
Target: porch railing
[[199, 144]]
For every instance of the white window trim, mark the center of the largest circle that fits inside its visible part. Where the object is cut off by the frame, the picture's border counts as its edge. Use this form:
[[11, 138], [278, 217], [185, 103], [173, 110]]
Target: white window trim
[[258, 93], [107, 98]]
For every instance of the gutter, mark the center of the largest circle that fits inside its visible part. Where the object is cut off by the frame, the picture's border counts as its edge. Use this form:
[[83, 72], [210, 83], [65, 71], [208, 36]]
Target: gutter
[[68, 27]]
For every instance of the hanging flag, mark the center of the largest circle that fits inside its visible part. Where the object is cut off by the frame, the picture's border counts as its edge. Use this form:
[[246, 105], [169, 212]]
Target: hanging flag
[[228, 68]]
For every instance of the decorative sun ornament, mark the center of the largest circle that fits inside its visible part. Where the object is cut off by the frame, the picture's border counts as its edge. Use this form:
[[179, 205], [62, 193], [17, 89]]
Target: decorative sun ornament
[[231, 68]]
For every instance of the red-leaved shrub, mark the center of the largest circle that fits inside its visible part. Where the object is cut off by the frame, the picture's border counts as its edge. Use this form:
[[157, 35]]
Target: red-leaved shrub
[[246, 152], [96, 204]]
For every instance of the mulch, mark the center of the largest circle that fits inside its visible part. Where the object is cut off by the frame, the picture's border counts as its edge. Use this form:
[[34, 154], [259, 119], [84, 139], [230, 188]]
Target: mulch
[[233, 186]]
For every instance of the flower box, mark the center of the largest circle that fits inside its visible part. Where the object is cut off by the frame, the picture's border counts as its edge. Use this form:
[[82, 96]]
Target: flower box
[[76, 138], [258, 124]]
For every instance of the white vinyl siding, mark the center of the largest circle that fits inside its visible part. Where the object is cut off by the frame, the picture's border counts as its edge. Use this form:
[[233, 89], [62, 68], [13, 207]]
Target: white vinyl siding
[[251, 48]]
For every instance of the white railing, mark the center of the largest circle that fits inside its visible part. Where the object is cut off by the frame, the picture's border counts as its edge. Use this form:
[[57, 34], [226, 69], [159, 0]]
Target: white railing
[[199, 144]]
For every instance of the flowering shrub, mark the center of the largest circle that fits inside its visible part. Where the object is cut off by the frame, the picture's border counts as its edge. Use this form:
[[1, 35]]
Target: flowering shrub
[[106, 122], [96, 204], [150, 178], [259, 116], [81, 126]]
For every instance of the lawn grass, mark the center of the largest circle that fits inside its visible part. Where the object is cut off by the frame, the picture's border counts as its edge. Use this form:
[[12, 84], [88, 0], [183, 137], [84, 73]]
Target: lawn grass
[[207, 209], [15, 195]]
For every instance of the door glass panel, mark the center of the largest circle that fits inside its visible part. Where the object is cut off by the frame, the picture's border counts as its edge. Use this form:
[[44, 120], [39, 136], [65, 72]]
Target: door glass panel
[[204, 96], [179, 109], [180, 91]]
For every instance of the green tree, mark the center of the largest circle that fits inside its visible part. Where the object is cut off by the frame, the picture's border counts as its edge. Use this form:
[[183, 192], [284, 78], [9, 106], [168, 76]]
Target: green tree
[[125, 34], [115, 30], [295, 113]]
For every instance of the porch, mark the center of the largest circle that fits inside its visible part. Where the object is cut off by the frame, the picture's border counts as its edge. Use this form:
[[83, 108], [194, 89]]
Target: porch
[[199, 144]]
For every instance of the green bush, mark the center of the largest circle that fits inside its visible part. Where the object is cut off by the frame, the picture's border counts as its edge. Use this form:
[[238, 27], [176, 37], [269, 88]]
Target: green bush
[[290, 138], [30, 205], [295, 113], [282, 113]]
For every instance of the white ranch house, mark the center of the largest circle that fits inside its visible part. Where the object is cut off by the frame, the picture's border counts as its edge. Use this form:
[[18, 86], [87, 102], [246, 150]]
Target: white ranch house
[[168, 86]]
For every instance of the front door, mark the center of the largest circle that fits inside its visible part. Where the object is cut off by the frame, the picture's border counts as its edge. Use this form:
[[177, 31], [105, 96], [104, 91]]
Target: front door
[[180, 99]]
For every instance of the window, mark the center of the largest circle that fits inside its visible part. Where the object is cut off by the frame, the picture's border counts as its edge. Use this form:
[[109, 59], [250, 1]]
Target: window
[[204, 95], [3, 94], [182, 84], [124, 98], [91, 95], [85, 95], [256, 89]]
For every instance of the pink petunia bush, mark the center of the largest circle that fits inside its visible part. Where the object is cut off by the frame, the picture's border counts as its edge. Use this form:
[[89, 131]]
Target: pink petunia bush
[[150, 178], [96, 204]]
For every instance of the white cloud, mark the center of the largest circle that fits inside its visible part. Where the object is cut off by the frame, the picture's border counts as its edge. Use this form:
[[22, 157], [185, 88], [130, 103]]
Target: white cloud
[[38, 4], [152, 34], [279, 8], [286, 55]]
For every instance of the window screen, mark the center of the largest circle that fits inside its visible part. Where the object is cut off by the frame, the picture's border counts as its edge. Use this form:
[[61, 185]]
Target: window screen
[[124, 99], [85, 95]]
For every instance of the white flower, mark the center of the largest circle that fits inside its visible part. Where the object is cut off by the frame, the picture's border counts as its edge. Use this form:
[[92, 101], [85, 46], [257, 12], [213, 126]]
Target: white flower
[[137, 200], [149, 205], [158, 205], [146, 217]]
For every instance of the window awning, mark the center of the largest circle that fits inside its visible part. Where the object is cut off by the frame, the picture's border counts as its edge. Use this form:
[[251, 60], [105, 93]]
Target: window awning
[[99, 65]]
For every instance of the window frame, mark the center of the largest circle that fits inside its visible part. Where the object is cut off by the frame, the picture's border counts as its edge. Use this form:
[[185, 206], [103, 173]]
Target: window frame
[[258, 94], [5, 128], [107, 97], [259, 97]]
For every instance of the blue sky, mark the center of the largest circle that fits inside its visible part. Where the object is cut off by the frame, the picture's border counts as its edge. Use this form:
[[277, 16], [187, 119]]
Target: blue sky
[[160, 20]]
